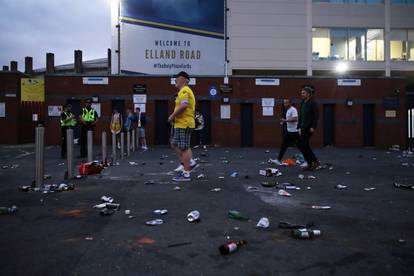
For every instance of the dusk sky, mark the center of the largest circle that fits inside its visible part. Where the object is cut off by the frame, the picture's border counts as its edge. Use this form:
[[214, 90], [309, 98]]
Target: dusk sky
[[35, 27]]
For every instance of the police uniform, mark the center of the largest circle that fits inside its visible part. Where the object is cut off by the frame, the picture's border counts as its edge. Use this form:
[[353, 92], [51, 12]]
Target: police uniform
[[89, 116], [66, 124]]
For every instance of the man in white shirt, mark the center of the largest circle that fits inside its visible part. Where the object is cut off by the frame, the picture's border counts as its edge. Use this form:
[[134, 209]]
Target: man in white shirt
[[292, 134]]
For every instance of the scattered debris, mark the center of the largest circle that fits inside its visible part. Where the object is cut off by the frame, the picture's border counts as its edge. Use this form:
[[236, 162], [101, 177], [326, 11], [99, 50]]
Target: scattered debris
[[106, 212], [263, 223], [347, 173], [221, 177], [89, 238], [252, 189], [368, 189], [177, 188], [107, 199], [288, 225], [339, 186], [179, 244], [127, 212], [200, 176], [403, 186], [304, 233], [287, 186], [268, 172], [233, 214], [154, 222], [160, 212], [311, 177], [89, 168], [194, 216], [301, 176], [8, 210], [231, 247], [215, 190], [132, 163], [283, 193], [234, 174], [319, 207], [150, 182], [268, 184]]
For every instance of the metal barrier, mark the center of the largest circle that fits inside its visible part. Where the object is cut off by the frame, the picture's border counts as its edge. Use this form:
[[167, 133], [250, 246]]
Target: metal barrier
[[104, 144], [69, 152], [122, 145], [128, 143], [114, 157], [90, 145], [39, 156], [133, 140]]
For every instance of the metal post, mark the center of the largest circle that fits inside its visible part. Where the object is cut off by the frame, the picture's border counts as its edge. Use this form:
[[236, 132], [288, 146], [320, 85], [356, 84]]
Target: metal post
[[69, 148], [90, 145], [133, 140], [128, 143], [137, 138], [122, 145], [113, 147], [104, 147], [39, 156]]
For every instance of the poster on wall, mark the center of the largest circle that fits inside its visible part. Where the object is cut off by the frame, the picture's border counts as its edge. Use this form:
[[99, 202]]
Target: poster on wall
[[54, 110], [225, 111], [267, 110], [139, 98], [141, 107], [163, 37], [2, 110], [32, 90]]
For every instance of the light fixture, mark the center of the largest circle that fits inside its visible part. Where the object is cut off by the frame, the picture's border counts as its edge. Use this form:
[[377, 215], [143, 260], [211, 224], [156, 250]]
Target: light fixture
[[341, 67], [349, 102]]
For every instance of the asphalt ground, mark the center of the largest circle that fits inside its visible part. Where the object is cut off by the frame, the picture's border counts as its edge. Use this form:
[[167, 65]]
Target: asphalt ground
[[364, 232]]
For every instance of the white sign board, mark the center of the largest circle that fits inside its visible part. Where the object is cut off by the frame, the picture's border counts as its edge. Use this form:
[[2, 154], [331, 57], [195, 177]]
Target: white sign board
[[267, 110], [97, 107], [54, 110], [225, 111], [349, 82], [2, 110], [95, 80], [142, 107], [139, 98], [160, 38], [271, 82], [35, 117], [390, 113], [191, 82], [268, 102]]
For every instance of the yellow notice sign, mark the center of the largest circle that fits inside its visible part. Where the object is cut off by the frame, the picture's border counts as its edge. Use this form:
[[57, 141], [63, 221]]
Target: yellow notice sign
[[32, 90]]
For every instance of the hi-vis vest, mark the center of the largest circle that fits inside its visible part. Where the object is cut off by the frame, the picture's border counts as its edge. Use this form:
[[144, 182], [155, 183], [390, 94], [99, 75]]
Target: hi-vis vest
[[70, 123], [88, 115]]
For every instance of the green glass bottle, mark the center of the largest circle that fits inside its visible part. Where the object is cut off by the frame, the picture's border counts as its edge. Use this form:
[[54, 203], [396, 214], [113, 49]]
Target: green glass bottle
[[237, 215]]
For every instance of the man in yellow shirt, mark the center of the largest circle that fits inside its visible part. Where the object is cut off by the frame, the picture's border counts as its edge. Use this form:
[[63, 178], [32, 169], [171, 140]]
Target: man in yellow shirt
[[183, 123]]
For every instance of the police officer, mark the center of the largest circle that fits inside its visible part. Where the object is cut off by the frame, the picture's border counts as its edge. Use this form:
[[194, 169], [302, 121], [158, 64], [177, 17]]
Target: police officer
[[67, 121], [88, 119]]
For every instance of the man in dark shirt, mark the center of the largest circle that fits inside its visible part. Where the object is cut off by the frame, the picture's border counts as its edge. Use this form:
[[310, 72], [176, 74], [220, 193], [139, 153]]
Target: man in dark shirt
[[308, 121]]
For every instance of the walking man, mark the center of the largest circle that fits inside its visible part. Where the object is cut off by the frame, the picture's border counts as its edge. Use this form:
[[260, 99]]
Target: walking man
[[88, 119], [292, 134], [182, 120], [308, 121], [67, 121]]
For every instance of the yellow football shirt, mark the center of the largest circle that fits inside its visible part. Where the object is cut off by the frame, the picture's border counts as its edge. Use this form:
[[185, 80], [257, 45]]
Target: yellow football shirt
[[186, 118]]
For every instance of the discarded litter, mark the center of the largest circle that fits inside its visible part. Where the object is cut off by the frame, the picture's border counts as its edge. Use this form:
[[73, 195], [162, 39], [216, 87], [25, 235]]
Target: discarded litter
[[319, 207], [304, 233], [8, 210], [234, 174], [270, 172], [106, 212], [154, 222], [193, 216], [112, 205], [231, 247], [89, 168], [179, 244], [177, 188], [282, 192], [127, 212], [233, 214], [268, 184], [47, 176], [160, 212], [107, 199], [215, 190], [132, 163], [368, 189], [252, 189], [308, 188], [267, 151], [288, 225], [221, 177], [200, 176], [287, 186], [311, 177], [79, 176], [89, 238], [339, 186], [301, 176], [100, 206], [347, 173], [150, 182], [225, 161], [403, 186], [263, 223]]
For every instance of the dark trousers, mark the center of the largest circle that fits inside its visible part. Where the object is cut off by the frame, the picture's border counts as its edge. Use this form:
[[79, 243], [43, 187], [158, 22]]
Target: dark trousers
[[63, 141], [84, 139], [288, 139], [304, 146]]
